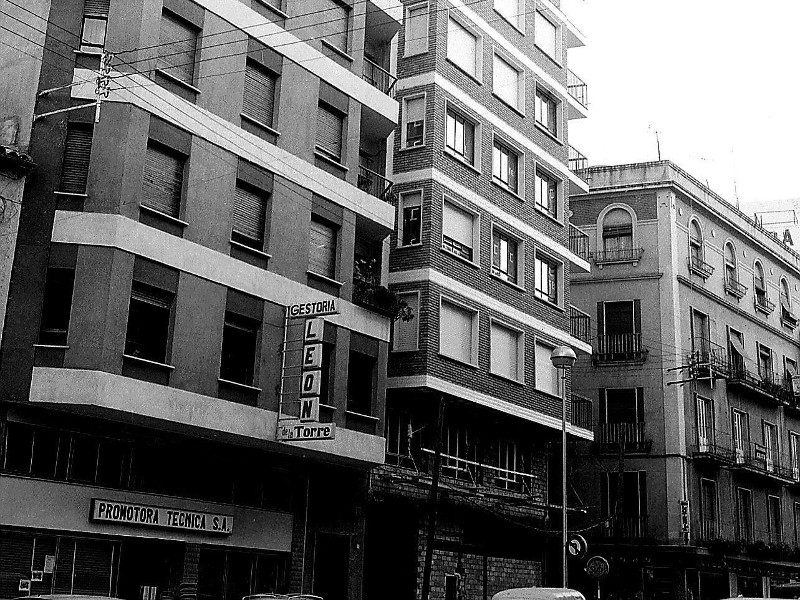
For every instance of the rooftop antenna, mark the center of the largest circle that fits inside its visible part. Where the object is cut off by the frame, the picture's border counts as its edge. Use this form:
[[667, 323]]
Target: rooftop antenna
[[658, 142], [735, 187]]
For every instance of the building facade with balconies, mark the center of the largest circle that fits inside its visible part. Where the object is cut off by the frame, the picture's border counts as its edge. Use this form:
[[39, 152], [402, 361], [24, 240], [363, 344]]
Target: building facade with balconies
[[694, 364], [483, 252], [236, 167]]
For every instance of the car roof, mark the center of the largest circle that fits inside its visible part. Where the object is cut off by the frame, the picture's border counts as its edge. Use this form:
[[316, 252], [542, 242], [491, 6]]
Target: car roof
[[67, 597], [537, 593]]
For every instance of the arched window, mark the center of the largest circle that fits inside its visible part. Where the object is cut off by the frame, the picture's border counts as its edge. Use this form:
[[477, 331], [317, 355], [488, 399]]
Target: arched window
[[617, 231], [759, 285], [731, 272], [787, 316], [695, 242]]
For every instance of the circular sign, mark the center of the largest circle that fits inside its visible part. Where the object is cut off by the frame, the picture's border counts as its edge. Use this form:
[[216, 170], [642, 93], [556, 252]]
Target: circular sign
[[597, 567], [576, 546]]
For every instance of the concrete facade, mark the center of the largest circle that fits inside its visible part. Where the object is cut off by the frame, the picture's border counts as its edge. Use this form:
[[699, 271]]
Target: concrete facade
[[695, 395]]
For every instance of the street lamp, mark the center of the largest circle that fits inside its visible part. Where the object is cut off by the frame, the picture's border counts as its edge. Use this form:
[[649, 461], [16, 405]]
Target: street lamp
[[563, 357]]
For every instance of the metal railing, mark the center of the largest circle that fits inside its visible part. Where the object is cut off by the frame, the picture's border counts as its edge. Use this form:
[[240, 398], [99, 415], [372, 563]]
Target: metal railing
[[700, 267], [481, 473], [735, 288], [577, 88], [709, 529], [620, 347], [762, 303], [374, 183], [579, 324], [577, 161], [632, 437], [617, 255], [746, 455], [578, 242], [378, 77], [625, 527], [580, 413], [788, 318]]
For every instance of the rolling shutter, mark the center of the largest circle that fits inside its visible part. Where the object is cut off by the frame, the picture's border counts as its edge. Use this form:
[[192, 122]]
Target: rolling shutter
[[92, 567], [455, 332], [336, 20], [77, 152], [416, 30], [329, 131], [177, 47], [96, 7], [259, 94], [249, 210], [163, 181], [457, 225], [322, 251], [151, 295], [15, 562], [462, 47], [504, 351], [506, 81]]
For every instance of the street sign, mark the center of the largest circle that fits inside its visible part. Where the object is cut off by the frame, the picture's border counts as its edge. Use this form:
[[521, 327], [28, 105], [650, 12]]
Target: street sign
[[597, 567], [295, 431], [576, 546]]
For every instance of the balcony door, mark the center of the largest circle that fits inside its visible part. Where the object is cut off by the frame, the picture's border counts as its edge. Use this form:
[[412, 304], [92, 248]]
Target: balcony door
[[705, 423], [736, 351], [619, 325], [709, 527], [771, 444], [624, 499], [701, 335], [741, 434], [621, 415]]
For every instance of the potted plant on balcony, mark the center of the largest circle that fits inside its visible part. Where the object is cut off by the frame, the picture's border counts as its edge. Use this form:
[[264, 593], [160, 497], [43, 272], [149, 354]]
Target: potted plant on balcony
[[368, 291]]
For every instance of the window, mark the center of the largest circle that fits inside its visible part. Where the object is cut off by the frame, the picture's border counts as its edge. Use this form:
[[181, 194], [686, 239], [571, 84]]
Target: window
[[416, 30], [258, 101], [630, 509], [765, 363], [512, 11], [322, 248], [774, 519], [460, 137], [464, 48], [458, 332], [32, 450], [548, 378], [330, 124], [546, 112], [546, 273], [709, 525], [95, 20], [705, 423], [509, 463], [77, 152], [736, 351], [794, 457], [149, 319], [398, 436], [787, 316], [458, 231], [546, 34], [333, 22], [759, 284], [617, 233], [239, 349], [163, 180], [505, 253], [457, 451], [57, 307], [505, 166], [409, 220], [177, 47], [508, 83], [731, 271], [249, 216], [507, 352], [701, 334], [360, 376], [621, 419], [741, 434], [796, 523], [406, 333], [413, 132], [770, 439], [619, 331], [546, 194], [695, 242]]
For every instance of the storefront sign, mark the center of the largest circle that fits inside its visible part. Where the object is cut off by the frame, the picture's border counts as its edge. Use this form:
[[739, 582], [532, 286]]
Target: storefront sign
[[49, 563], [24, 586], [313, 309], [294, 431], [162, 517]]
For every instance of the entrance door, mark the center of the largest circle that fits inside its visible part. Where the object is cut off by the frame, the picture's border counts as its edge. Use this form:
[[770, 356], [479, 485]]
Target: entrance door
[[331, 566], [149, 567]]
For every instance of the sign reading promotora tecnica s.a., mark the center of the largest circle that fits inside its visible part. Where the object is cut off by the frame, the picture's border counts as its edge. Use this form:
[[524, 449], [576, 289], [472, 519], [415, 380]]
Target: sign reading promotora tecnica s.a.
[[162, 517], [313, 309]]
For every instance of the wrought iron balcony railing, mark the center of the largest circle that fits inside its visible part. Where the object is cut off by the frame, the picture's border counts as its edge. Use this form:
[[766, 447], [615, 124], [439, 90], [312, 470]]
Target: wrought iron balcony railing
[[579, 324], [577, 88], [617, 255], [625, 527], [374, 184], [378, 77], [700, 267], [620, 347], [577, 161], [631, 436], [580, 413], [735, 288], [578, 242], [763, 304]]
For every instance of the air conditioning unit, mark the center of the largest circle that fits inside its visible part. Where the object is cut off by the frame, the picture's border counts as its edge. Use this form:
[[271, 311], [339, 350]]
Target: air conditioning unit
[[739, 455]]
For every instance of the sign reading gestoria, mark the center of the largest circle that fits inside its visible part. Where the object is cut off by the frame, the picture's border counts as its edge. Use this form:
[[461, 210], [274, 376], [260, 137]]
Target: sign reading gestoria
[[163, 517], [313, 309]]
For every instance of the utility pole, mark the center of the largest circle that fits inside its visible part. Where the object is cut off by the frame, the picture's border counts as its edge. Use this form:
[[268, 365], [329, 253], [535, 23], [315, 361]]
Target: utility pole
[[432, 501]]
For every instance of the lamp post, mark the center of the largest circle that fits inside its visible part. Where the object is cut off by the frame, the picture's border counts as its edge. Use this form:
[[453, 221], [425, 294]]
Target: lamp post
[[563, 358]]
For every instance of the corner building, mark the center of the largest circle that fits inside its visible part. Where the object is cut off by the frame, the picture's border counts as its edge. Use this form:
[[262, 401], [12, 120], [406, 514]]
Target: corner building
[[238, 166], [483, 252], [692, 477]]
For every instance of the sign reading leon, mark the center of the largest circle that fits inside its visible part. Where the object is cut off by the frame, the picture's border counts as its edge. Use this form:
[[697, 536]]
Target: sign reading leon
[[163, 517]]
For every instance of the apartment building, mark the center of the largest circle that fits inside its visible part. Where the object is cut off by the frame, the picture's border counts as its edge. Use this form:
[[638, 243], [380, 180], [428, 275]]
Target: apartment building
[[693, 473], [150, 363], [483, 252]]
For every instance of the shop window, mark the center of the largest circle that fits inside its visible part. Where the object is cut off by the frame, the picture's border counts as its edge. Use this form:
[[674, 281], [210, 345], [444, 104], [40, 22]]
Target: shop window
[[360, 380], [239, 349], [149, 318], [57, 306]]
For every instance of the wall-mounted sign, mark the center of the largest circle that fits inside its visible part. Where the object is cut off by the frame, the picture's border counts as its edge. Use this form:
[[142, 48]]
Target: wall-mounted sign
[[37, 576], [597, 567], [162, 517], [49, 563], [306, 431], [25, 586], [576, 546], [313, 309]]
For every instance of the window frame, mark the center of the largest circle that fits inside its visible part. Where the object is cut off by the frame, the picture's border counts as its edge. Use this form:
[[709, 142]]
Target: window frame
[[170, 321], [544, 97], [322, 150], [697, 247], [234, 320], [520, 341], [475, 343], [557, 37], [703, 508], [497, 54], [521, 14], [336, 243], [499, 143], [548, 259], [404, 121], [401, 220], [476, 231], [166, 67], [455, 112], [739, 514], [519, 241], [406, 23], [415, 321], [453, 15], [776, 534], [539, 342], [543, 175]]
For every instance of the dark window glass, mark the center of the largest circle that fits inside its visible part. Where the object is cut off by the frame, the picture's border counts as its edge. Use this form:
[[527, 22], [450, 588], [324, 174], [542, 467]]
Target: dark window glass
[[19, 448], [412, 224], [148, 323], [45, 452], [239, 341], [83, 466], [56, 307], [325, 387], [360, 374], [113, 464]]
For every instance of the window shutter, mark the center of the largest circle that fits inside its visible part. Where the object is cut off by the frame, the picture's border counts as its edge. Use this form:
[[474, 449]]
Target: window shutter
[[461, 46], [512, 171], [329, 131], [163, 181], [601, 397], [506, 81], [545, 34], [406, 332], [455, 332], [469, 142], [151, 295], [322, 254], [416, 30], [96, 7], [457, 224], [640, 404], [601, 319], [335, 19], [259, 94], [496, 250], [509, 9], [552, 282], [77, 152], [92, 567], [177, 44], [637, 316], [249, 213], [503, 351]]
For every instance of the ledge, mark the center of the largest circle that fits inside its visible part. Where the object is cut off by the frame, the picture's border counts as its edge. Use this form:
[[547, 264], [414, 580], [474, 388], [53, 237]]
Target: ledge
[[151, 363], [457, 360], [277, 11], [362, 416], [324, 278], [260, 124], [242, 386], [460, 159], [52, 346], [249, 249], [177, 80], [544, 213], [338, 51], [508, 379], [472, 264], [516, 286], [514, 108], [497, 183], [163, 215], [329, 160], [71, 194], [548, 133]]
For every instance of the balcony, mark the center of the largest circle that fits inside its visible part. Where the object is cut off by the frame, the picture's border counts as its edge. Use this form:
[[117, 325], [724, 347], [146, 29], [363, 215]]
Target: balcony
[[579, 324], [788, 318], [624, 437], [378, 77], [735, 288], [578, 163], [767, 387], [700, 267], [580, 413], [620, 347], [763, 304], [577, 89], [754, 459], [481, 474], [374, 184], [708, 530], [708, 359], [578, 242], [627, 528], [617, 255]]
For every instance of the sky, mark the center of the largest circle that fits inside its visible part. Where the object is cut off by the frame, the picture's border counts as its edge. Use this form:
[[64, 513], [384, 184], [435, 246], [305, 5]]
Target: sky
[[719, 80]]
